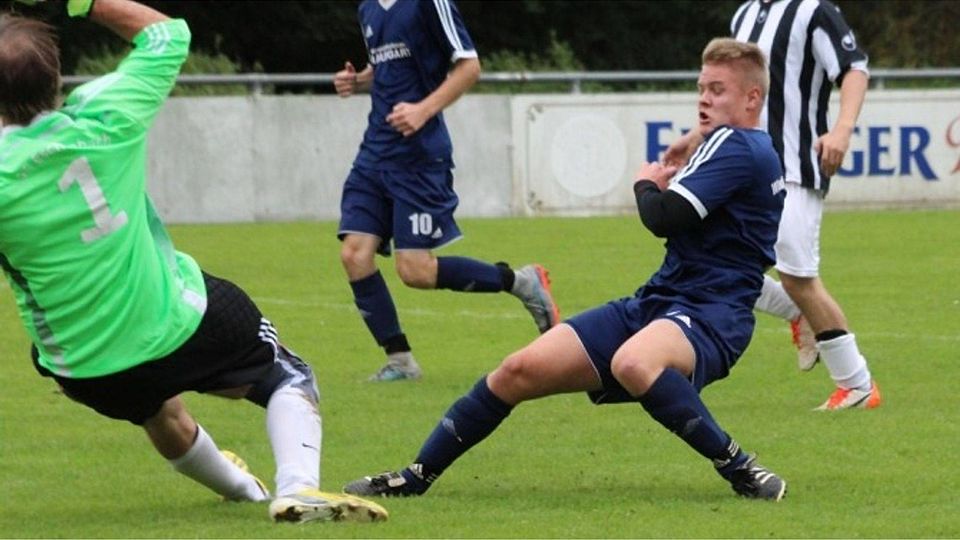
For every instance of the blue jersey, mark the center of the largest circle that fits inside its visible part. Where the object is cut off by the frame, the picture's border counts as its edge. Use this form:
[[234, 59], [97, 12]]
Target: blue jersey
[[735, 182], [412, 45]]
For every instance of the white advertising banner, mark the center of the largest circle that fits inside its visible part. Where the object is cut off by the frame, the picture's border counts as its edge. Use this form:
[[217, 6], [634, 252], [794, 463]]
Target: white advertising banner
[[576, 154]]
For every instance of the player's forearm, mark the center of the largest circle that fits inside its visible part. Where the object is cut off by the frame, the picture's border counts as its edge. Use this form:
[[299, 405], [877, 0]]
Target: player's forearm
[[853, 91], [664, 213], [365, 79], [465, 74], [124, 17]]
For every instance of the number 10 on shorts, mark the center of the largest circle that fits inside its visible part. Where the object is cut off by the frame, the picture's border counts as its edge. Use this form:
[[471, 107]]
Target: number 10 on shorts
[[421, 224]]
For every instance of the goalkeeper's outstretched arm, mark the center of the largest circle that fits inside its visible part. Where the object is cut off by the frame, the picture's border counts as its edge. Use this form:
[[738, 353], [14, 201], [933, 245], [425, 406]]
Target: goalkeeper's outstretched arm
[[123, 17]]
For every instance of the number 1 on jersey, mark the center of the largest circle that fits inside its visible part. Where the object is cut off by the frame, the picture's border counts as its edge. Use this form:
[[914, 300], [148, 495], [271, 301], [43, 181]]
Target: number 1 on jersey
[[104, 222]]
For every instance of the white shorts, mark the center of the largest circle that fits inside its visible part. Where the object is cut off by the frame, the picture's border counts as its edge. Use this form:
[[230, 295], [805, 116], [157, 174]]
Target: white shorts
[[798, 239]]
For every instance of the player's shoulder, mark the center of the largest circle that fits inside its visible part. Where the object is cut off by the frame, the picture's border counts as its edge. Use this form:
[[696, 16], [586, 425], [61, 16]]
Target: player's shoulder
[[727, 139], [751, 144]]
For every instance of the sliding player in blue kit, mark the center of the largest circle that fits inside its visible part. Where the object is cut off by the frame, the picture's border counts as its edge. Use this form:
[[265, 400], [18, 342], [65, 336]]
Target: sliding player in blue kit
[[421, 59], [682, 330]]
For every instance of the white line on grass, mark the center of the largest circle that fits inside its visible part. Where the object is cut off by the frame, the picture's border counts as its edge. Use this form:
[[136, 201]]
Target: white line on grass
[[422, 312]]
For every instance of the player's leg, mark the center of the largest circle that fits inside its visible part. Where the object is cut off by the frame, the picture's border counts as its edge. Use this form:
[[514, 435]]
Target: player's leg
[[424, 221], [290, 395], [146, 395], [657, 366], [194, 454], [798, 261], [554, 363], [366, 224], [837, 346], [795, 226], [243, 357]]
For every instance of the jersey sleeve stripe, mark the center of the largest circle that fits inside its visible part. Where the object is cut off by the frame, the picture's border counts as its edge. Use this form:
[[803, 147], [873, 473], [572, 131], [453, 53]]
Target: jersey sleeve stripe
[[446, 20], [705, 152], [690, 197], [158, 36]]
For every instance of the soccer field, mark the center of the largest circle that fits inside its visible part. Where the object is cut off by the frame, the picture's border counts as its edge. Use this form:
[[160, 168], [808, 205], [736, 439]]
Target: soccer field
[[558, 467]]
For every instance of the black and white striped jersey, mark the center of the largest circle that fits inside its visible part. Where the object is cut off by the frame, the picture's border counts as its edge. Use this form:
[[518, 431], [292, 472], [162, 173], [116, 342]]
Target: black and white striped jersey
[[809, 47]]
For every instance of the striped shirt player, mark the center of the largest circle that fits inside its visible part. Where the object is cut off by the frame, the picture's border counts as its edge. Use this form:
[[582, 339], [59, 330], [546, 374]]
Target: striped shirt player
[[121, 320], [810, 49], [399, 193]]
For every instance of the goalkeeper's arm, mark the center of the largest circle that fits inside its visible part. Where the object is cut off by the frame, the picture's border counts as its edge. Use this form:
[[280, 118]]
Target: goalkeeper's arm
[[124, 17]]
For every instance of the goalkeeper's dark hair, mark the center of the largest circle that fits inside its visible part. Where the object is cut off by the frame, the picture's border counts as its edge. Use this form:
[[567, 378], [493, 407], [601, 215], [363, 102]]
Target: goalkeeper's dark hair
[[29, 68]]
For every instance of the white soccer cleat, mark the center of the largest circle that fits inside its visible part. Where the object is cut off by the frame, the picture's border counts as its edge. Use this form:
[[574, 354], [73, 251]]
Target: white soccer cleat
[[400, 366], [851, 398], [806, 343], [315, 505]]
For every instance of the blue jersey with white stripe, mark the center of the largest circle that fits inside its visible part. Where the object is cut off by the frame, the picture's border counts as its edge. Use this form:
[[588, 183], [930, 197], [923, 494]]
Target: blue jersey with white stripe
[[735, 182], [411, 44]]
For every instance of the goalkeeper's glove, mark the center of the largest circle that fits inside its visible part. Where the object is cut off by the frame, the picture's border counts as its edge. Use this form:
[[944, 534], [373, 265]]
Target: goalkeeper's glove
[[75, 8]]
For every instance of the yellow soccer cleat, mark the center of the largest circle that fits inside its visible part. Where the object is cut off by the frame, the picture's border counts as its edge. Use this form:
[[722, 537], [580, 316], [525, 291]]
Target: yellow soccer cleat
[[315, 505]]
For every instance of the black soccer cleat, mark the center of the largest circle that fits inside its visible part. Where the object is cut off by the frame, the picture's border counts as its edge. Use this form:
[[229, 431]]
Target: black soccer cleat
[[756, 482], [387, 484]]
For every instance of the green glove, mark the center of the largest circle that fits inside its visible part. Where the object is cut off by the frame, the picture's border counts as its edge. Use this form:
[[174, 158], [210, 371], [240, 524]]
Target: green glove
[[78, 8]]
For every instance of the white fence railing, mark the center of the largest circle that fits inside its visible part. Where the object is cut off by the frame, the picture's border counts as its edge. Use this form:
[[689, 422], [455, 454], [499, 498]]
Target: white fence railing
[[258, 82]]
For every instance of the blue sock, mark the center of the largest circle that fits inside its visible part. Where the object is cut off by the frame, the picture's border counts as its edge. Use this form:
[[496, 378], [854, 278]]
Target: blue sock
[[467, 422], [468, 275], [373, 299], [675, 403]]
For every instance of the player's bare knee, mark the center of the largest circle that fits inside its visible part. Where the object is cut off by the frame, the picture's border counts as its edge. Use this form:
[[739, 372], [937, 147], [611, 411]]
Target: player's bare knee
[[513, 375], [355, 258], [415, 274], [634, 374]]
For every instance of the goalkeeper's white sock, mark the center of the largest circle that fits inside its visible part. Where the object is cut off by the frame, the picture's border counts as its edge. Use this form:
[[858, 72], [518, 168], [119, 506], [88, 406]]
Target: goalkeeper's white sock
[[847, 367], [775, 301], [294, 428], [205, 464]]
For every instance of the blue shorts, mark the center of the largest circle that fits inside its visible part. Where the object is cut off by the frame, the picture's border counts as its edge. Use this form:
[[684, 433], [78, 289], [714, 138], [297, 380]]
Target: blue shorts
[[413, 208], [719, 334]]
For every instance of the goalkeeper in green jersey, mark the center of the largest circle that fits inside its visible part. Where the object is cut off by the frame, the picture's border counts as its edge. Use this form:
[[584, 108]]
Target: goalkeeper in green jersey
[[121, 320]]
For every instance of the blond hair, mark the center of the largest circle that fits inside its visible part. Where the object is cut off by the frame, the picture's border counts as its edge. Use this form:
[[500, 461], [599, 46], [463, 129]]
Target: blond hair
[[747, 56]]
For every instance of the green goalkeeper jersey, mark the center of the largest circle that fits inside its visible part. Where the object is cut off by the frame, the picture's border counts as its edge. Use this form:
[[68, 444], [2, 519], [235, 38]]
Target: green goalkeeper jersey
[[97, 281]]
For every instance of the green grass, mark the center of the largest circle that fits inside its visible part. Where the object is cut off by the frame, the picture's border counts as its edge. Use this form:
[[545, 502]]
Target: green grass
[[558, 467]]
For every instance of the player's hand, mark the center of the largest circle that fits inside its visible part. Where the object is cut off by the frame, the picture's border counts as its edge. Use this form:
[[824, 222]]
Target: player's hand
[[408, 118], [658, 172], [345, 80], [832, 147], [679, 151]]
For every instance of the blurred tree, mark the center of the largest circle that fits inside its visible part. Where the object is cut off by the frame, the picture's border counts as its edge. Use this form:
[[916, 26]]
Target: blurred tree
[[317, 36]]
